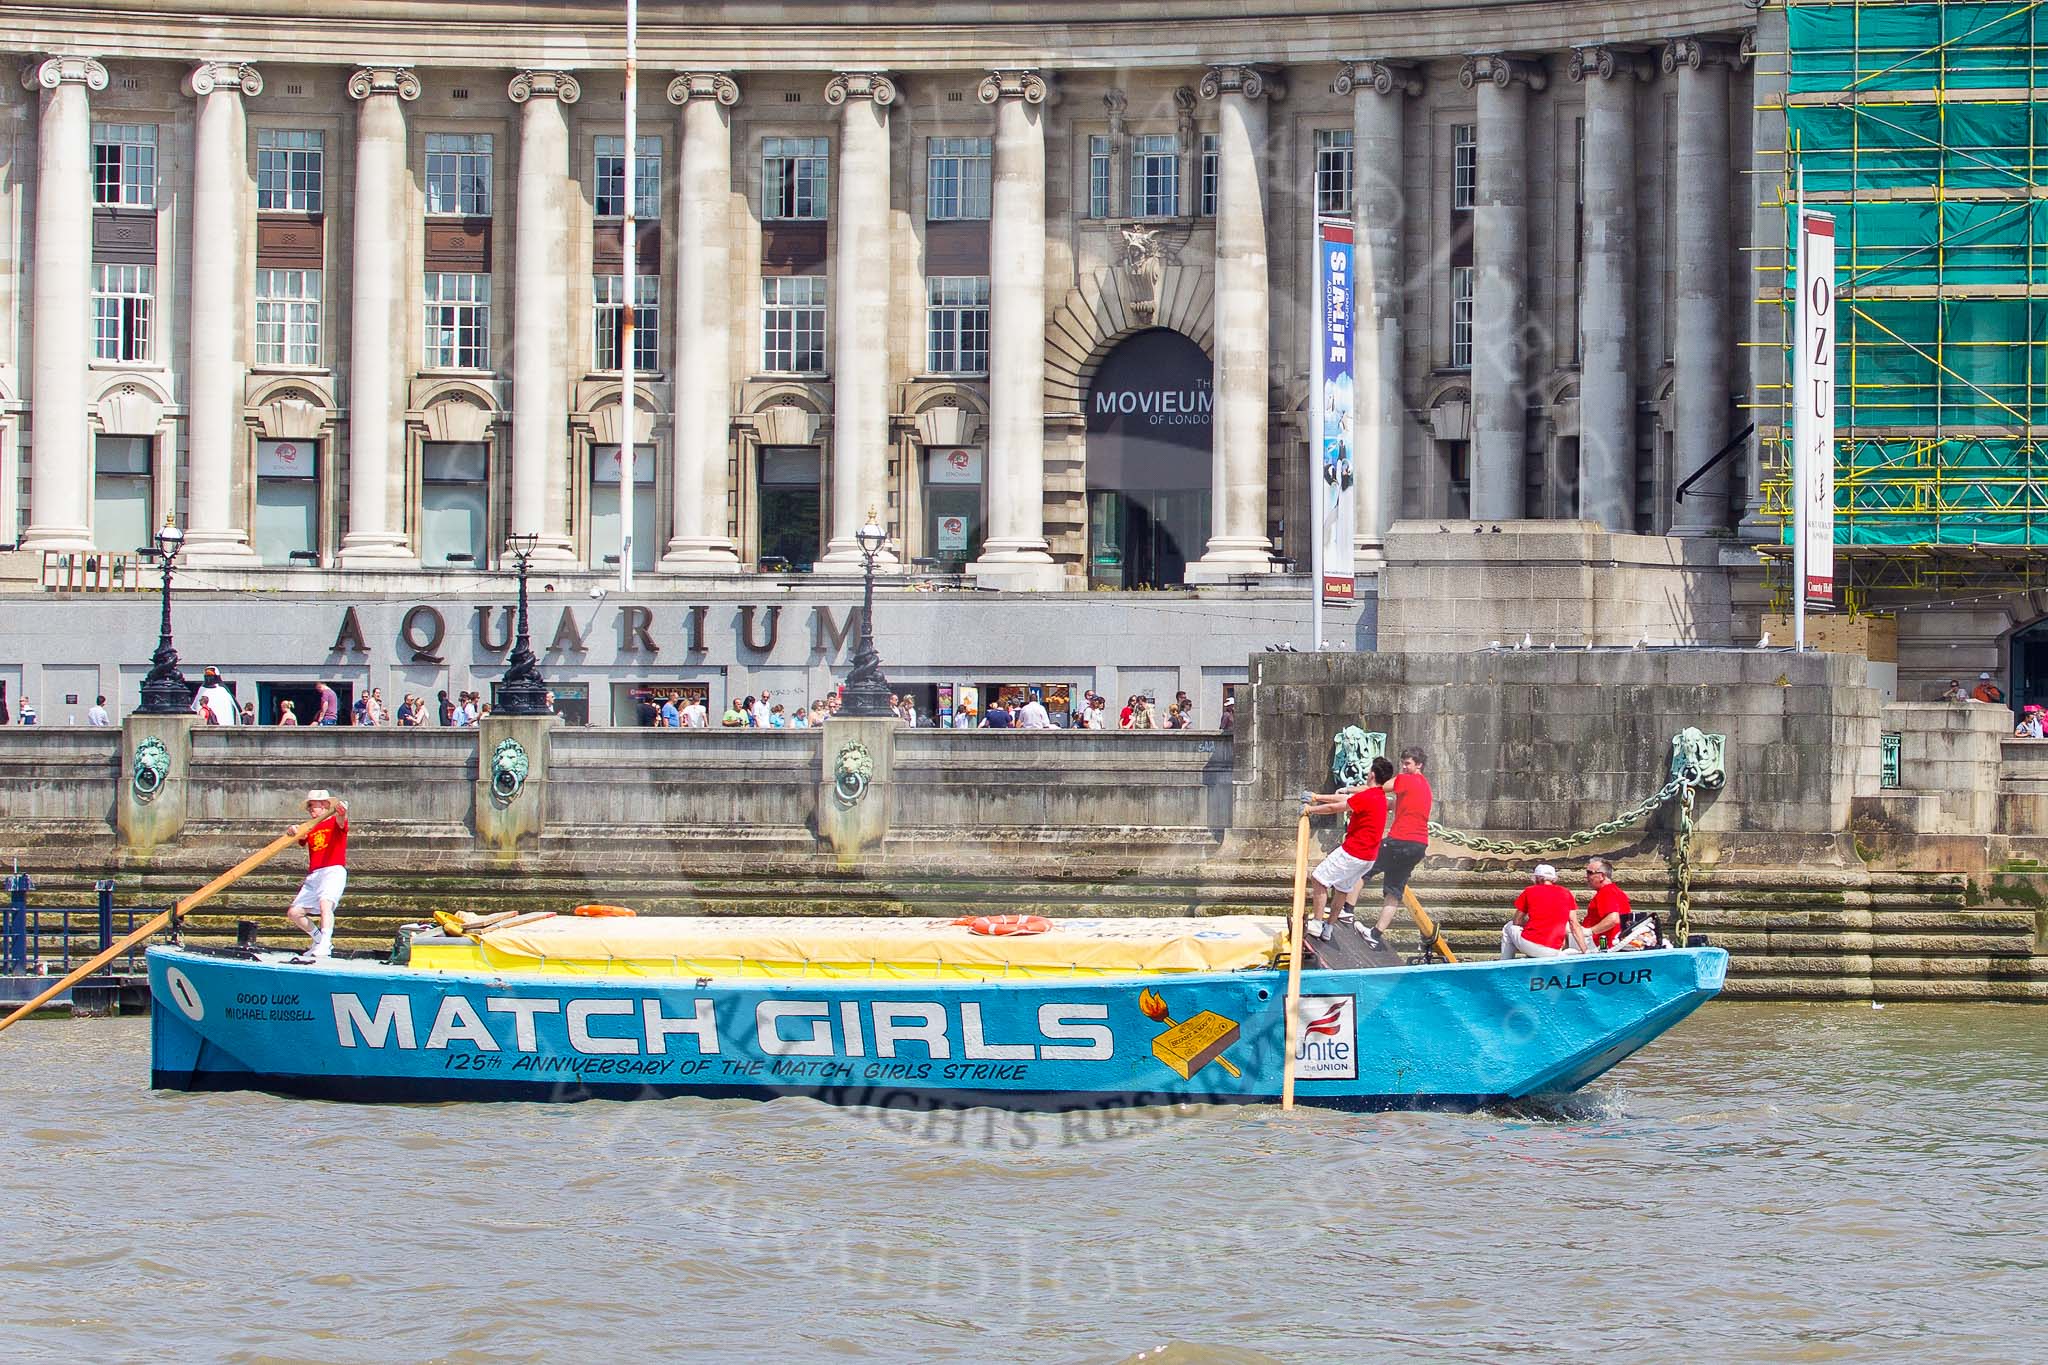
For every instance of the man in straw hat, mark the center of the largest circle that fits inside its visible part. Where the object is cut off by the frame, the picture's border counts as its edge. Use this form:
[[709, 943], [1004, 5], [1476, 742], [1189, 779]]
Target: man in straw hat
[[1545, 914], [326, 875]]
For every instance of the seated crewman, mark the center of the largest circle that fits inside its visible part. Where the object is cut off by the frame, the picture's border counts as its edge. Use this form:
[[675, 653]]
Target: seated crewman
[[1545, 915]]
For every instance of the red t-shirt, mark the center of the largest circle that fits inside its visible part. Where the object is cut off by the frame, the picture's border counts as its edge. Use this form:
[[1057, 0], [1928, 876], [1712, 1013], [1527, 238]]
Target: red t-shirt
[[1411, 808], [1368, 818], [1549, 908], [327, 844], [1608, 900]]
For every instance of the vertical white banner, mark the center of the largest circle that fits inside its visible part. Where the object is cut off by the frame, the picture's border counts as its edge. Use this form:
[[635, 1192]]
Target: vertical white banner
[[1333, 403], [1813, 413]]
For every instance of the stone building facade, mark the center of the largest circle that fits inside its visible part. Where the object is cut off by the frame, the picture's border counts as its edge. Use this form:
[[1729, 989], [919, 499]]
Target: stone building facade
[[339, 287]]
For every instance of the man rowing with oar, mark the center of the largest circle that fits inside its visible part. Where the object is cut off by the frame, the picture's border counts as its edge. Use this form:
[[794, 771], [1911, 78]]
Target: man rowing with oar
[[326, 873]]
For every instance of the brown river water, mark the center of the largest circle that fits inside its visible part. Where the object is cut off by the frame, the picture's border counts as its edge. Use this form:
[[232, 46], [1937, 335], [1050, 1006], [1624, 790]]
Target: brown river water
[[1772, 1182]]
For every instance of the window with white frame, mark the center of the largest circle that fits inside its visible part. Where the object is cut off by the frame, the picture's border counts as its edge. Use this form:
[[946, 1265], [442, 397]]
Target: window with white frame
[[1333, 170], [459, 174], [124, 165], [793, 324], [608, 320], [458, 321], [1461, 317], [289, 167], [1464, 165], [287, 317], [455, 502], [1155, 176], [1212, 169], [957, 177], [123, 492], [957, 329], [121, 300], [1098, 176], [608, 198], [793, 177]]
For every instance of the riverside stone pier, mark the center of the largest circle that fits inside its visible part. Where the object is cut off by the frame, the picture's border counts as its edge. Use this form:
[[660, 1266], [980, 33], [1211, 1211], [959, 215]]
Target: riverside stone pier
[[1822, 880]]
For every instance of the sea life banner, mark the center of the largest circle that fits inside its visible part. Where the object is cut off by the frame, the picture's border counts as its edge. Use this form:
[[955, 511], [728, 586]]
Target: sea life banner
[[1334, 403]]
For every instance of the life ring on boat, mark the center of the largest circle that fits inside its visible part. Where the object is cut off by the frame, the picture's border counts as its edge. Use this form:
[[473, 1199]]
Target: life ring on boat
[[1003, 926], [603, 912]]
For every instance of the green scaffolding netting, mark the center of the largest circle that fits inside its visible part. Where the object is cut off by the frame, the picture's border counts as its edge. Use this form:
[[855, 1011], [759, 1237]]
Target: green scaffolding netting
[[1932, 126]]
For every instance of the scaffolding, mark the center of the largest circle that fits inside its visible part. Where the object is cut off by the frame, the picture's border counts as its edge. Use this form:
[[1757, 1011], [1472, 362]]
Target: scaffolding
[[1916, 127]]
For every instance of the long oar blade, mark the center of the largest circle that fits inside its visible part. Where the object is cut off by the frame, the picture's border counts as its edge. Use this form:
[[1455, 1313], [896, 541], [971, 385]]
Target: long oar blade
[[157, 922], [1292, 1033]]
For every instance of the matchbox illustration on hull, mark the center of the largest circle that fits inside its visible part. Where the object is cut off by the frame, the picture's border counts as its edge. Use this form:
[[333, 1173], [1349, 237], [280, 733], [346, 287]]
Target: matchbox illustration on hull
[[1454, 1036]]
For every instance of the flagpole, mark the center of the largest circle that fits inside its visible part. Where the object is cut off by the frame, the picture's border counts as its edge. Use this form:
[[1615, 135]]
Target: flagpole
[[629, 268]]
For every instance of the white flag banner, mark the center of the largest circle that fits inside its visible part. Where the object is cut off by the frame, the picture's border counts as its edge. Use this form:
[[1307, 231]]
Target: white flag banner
[[1813, 414]]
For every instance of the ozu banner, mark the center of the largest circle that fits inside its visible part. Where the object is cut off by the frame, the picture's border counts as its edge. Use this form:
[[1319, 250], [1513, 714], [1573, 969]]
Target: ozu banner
[[1813, 419], [1333, 404]]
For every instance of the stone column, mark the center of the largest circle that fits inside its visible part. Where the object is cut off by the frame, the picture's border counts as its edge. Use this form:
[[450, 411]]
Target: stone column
[[703, 325], [60, 482], [1500, 258], [214, 435], [377, 321], [1015, 554], [1703, 342], [1237, 540], [1607, 293], [860, 313], [1377, 90], [540, 314]]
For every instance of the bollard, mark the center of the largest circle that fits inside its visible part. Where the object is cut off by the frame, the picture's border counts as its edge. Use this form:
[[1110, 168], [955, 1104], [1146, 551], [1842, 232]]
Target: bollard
[[106, 892], [14, 934]]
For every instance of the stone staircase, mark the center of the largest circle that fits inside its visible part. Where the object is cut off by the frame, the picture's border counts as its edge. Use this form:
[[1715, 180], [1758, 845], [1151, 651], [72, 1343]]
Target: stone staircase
[[1798, 934]]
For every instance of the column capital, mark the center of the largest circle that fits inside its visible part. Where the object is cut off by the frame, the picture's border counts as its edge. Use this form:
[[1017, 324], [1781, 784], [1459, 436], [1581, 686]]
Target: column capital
[[878, 86], [1605, 62], [1013, 84], [704, 85], [1694, 53], [1499, 69], [208, 77], [1252, 82], [51, 72], [544, 84], [401, 81], [1386, 78]]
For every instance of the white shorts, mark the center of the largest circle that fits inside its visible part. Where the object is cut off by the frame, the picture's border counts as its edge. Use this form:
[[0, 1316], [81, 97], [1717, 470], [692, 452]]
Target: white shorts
[[321, 884], [1340, 871]]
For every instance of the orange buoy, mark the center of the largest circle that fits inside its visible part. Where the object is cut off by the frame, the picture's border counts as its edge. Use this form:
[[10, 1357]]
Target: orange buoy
[[1002, 926], [604, 912]]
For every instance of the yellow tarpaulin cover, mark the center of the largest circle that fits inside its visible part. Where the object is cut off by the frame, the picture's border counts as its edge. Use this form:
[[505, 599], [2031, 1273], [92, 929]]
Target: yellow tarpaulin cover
[[853, 947]]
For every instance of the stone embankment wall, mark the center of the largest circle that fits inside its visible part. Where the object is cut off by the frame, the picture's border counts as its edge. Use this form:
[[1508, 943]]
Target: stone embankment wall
[[1522, 744]]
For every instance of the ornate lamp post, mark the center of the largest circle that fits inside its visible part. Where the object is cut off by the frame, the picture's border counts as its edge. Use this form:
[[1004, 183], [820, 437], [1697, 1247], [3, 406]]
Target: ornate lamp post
[[165, 691], [522, 691], [867, 692]]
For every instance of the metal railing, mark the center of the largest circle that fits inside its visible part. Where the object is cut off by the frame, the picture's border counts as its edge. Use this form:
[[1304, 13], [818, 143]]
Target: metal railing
[[49, 938], [95, 571]]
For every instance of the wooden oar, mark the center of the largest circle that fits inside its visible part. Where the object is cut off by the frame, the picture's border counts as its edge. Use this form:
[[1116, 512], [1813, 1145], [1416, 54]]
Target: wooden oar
[[156, 922], [1430, 937], [1293, 1031]]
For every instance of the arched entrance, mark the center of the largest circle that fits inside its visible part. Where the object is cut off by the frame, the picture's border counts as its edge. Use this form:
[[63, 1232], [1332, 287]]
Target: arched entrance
[[1149, 460]]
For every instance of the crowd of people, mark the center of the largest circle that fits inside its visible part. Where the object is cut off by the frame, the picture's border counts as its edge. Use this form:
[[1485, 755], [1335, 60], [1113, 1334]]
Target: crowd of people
[[1386, 835]]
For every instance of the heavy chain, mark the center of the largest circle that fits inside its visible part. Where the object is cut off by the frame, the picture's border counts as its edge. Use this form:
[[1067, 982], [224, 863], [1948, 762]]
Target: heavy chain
[[1681, 865], [1633, 815]]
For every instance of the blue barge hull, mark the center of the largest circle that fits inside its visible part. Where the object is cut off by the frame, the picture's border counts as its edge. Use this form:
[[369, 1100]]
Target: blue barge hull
[[1441, 1036]]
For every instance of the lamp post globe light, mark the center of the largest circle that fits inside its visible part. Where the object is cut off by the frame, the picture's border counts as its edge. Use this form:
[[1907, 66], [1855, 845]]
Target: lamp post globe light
[[165, 691], [522, 691], [866, 695]]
